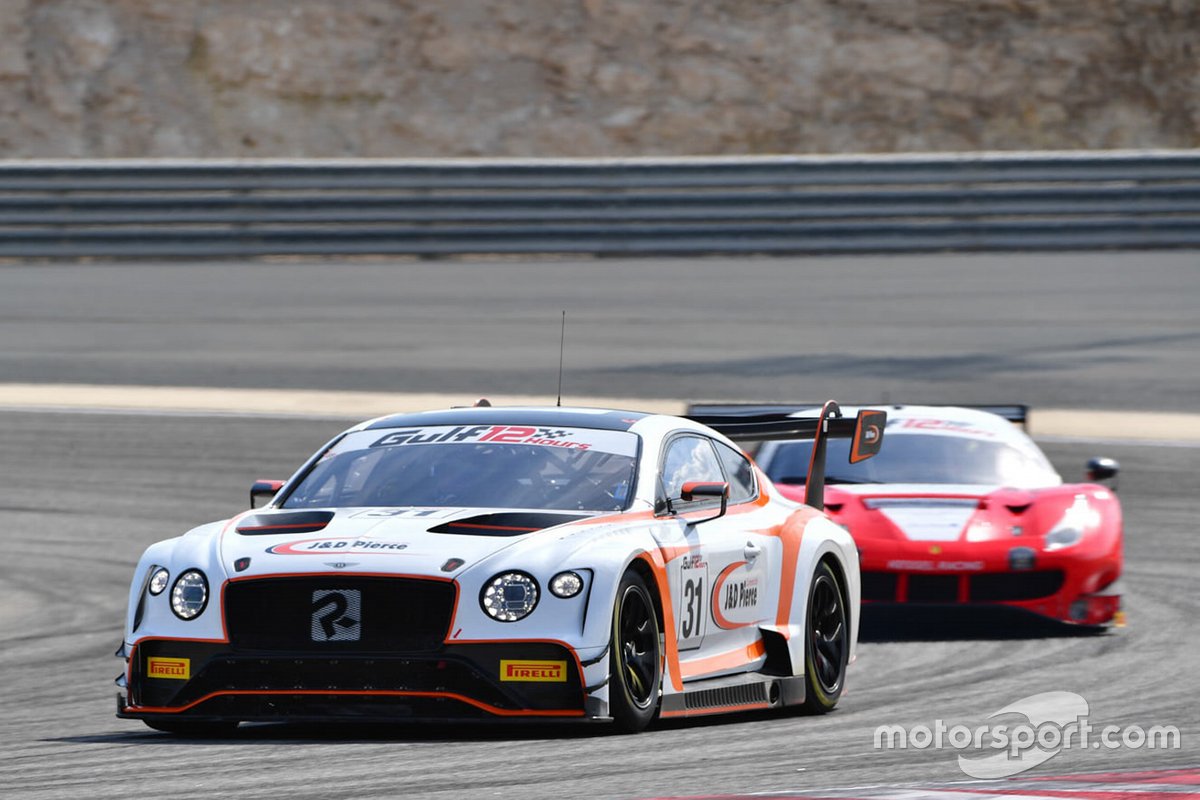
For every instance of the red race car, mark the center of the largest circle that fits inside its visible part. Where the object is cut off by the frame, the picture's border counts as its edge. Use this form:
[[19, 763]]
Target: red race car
[[960, 507]]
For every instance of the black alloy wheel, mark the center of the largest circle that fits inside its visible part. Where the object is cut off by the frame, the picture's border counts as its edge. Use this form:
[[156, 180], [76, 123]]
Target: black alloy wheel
[[827, 641], [635, 656]]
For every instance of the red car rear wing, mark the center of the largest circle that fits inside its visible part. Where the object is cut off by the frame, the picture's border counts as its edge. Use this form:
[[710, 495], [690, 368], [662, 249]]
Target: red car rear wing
[[755, 424], [1013, 412]]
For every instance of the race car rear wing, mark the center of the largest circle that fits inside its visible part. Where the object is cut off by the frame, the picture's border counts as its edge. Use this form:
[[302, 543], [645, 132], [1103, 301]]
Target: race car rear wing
[[752, 423], [1013, 412]]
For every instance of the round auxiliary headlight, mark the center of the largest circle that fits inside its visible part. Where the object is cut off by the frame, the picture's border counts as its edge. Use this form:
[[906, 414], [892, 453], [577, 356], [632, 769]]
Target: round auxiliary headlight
[[509, 596], [566, 584], [158, 581], [190, 594]]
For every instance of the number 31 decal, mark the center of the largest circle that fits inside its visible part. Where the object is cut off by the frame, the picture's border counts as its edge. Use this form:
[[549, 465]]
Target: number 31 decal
[[692, 612]]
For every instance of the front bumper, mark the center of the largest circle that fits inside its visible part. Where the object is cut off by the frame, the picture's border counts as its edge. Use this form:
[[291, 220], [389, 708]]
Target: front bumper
[[1056, 590], [208, 681]]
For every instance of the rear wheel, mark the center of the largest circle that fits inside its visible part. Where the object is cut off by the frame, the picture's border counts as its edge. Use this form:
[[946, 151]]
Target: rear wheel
[[635, 657], [826, 643], [194, 730]]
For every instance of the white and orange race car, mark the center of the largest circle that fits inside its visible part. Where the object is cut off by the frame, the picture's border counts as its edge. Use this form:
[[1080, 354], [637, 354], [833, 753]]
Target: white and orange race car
[[505, 563]]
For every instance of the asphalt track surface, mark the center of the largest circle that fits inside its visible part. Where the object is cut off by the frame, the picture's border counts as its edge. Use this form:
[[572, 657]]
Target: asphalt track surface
[[82, 495], [1090, 330]]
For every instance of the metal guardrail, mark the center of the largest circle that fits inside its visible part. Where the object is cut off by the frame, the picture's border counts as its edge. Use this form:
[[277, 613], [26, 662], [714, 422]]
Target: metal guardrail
[[1042, 201]]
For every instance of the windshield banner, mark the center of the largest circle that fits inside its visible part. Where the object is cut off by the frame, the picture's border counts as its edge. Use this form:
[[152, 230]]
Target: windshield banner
[[941, 427], [589, 439]]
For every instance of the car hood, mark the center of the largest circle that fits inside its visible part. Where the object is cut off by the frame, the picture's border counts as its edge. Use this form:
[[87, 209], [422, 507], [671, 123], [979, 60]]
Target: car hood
[[408, 541], [944, 512]]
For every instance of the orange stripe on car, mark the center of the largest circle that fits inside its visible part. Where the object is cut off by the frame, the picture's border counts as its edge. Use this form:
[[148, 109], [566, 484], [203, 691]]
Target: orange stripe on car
[[658, 566], [697, 712], [790, 534], [731, 659]]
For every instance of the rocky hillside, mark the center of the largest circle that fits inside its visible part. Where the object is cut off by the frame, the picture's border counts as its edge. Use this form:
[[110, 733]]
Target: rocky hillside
[[94, 78]]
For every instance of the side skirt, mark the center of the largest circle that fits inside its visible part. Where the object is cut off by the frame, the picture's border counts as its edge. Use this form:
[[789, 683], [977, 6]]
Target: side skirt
[[732, 694]]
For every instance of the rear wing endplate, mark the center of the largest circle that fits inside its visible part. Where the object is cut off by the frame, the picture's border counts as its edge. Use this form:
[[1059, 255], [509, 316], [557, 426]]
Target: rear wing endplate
[[757, 423]]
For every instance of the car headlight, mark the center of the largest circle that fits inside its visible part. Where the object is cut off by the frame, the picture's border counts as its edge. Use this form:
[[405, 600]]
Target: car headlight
[[1069, 530], [190, 594], [509, 596], [158, 581], [566, 584], [1063, 536]]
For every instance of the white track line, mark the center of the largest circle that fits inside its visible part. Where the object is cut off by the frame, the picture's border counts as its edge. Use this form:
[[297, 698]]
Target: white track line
[[280, 402], [1112, 427]]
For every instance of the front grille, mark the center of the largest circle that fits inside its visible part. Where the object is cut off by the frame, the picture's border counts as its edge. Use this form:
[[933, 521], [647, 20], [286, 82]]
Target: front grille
[[345, 674], [463, 670], [1000, 586], [932, 588], [879, 586], [385, 615]]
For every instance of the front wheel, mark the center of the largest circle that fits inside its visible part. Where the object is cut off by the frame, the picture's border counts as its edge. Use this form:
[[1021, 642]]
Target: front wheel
[[826, 642], [635, 660]]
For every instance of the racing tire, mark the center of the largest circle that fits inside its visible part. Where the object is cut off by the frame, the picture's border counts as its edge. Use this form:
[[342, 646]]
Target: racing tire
[[192, 730], [635, 656], [826, 642]]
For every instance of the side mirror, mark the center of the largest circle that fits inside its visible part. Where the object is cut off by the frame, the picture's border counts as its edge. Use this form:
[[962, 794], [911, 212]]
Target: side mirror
[[1103, 469], [264, 490], [694, 490]]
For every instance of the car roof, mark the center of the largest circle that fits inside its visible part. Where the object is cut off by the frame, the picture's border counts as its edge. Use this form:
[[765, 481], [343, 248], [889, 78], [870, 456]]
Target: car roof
[[599, 418]]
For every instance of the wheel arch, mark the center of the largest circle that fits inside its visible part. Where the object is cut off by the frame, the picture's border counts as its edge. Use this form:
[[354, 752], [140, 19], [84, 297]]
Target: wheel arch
[[657, 592], [823, 542]]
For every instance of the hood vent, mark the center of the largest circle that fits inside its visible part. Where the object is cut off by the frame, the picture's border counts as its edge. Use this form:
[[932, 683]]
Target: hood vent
[[284, 522], [507, 523]]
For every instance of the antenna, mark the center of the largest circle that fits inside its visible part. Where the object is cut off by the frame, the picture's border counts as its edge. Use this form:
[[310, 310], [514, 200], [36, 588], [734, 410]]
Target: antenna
[[562, 341]]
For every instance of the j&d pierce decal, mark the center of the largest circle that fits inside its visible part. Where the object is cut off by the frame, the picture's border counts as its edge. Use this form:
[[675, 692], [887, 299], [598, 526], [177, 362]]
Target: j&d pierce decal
[[324, 547], [735, 596], [179, 669]]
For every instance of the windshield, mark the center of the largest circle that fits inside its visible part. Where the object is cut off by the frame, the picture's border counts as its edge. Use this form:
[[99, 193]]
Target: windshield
[[920, 458], [493, 466]]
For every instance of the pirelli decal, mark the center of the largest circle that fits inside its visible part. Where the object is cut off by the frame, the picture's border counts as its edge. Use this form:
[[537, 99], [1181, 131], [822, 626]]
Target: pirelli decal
[[179, 669], [533, 671]]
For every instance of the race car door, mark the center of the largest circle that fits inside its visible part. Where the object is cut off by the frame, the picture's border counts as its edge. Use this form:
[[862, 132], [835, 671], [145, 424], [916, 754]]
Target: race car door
[[742, 593], [719, 584]]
